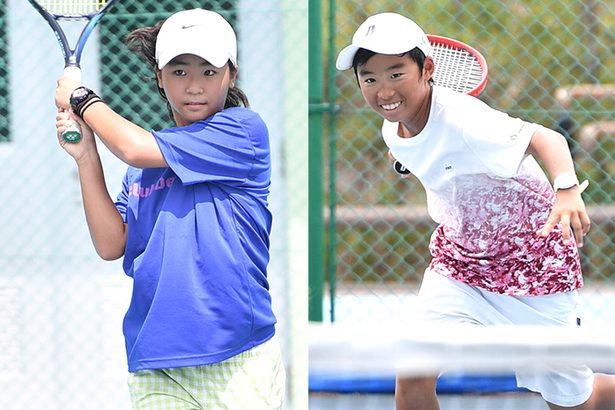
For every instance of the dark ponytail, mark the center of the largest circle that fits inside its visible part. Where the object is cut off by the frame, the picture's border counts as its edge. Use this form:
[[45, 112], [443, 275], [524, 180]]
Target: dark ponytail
[[143, 42], [235, 97]]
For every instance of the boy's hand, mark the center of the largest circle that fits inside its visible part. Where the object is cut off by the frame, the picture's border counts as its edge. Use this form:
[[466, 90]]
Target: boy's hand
[[569, 209]]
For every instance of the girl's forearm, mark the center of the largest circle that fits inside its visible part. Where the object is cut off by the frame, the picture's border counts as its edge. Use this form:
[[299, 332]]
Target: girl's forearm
[[130, 143], [106, 226]]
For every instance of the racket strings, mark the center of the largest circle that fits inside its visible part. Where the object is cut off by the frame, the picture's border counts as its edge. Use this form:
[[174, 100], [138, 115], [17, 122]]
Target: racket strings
[[456, 68], [72, 7]]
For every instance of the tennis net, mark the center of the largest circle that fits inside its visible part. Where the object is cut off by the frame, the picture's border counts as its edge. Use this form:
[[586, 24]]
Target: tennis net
[[474, 363]]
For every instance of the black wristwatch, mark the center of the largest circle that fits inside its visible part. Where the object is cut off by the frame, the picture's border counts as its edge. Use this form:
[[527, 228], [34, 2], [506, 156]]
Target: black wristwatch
[[79, 99]]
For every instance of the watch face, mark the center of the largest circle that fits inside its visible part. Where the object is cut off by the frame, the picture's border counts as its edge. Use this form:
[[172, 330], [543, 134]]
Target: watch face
[[80, 92]]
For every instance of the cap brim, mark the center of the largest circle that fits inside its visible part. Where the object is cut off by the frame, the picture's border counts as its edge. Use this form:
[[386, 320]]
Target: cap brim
[[217, 60], [345, 57]]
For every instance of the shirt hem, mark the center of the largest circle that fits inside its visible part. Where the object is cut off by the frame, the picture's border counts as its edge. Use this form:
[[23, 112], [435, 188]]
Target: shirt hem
[[200, 360], [524, 292]]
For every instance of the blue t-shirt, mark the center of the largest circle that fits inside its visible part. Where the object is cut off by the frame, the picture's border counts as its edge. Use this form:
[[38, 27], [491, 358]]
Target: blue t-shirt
[[198, 244]]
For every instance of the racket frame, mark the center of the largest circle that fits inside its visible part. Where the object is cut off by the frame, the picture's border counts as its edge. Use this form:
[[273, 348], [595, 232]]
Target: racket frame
[[436, 40], [72, 56]]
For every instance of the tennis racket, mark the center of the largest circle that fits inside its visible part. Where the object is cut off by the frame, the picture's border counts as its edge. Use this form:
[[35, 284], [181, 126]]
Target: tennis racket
[[458, 67], [72, 10]]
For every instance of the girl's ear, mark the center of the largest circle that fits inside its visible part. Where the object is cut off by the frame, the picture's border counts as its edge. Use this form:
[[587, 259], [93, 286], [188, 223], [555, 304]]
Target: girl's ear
[[428, 68], [233, 76], [159, 78]]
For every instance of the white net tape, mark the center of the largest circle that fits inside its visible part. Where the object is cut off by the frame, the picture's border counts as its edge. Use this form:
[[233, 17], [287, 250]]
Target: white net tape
[[428, 350]]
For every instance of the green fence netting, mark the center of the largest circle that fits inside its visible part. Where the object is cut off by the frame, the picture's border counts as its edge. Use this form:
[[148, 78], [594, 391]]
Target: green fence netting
[[550, 62], [61, 345], [4, 87]]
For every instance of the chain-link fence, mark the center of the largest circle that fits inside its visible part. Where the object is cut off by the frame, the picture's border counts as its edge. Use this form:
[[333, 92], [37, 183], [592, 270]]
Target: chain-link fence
[[61, 344], [550, 62], [4, 89]]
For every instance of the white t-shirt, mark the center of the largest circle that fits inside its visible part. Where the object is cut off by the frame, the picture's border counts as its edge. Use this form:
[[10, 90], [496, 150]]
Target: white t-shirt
[[489, 198]]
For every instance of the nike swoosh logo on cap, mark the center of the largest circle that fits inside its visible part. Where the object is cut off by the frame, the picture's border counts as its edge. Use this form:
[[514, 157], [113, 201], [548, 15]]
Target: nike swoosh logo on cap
[[185, 27]]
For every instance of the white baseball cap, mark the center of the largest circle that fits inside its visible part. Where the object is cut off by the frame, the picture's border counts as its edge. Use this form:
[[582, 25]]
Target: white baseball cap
[[200, 32], [384, 33]]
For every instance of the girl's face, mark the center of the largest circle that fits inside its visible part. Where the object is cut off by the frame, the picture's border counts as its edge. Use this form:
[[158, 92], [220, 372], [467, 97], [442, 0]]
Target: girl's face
[[194, 88], [394, 87]]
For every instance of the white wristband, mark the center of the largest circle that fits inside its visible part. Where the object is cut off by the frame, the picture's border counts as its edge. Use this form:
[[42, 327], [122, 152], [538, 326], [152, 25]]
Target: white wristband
[[565, 180]]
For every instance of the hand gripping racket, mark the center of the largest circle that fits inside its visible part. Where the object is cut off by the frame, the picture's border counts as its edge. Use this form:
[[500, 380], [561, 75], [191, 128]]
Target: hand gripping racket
[[72, 10], [458, 67]]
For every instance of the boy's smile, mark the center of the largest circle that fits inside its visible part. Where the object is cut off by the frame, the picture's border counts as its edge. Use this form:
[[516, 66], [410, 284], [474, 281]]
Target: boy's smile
[[394, 87], [390, 107]]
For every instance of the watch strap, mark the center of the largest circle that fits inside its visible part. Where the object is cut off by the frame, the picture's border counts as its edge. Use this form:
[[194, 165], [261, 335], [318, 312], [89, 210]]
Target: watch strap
[[565, 180], [81, 99]]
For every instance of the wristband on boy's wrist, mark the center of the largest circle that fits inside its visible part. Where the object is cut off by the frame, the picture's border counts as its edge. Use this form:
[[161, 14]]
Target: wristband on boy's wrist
[[81, 99], [565, 180]]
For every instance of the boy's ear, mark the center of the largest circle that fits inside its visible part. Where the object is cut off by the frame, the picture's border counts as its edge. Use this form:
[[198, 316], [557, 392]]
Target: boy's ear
[[428, 67]]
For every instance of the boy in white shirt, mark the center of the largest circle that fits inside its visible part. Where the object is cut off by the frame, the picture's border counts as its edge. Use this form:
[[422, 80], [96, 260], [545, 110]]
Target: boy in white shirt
[[505, 251]]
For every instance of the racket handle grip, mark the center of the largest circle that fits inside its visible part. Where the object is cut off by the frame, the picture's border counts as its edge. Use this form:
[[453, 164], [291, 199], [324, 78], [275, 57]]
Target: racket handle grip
[[72, 134], [73, 72]]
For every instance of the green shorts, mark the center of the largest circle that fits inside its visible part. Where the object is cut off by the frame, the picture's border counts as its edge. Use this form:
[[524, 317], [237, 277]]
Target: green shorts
[[254, 379]]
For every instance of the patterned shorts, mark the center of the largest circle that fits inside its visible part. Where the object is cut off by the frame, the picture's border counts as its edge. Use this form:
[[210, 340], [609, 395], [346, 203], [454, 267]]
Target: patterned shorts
[[254, 379]]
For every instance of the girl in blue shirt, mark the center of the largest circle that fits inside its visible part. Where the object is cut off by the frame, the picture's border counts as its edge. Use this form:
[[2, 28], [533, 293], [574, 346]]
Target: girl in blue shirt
[[192, 222]]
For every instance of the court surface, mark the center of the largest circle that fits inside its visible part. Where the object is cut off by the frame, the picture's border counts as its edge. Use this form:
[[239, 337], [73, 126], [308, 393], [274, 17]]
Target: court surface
[[526, 401]]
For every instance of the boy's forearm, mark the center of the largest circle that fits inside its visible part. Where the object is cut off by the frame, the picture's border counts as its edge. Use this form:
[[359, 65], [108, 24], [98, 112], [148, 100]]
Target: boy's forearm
[[552, 149], [105, 223]]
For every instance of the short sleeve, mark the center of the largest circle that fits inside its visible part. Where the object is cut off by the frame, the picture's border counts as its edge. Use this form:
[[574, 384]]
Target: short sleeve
[[121, 203], [498, 140], [230, 147]]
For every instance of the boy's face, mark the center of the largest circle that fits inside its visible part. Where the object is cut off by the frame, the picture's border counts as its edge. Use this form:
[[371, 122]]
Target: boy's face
[[394, 87]]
